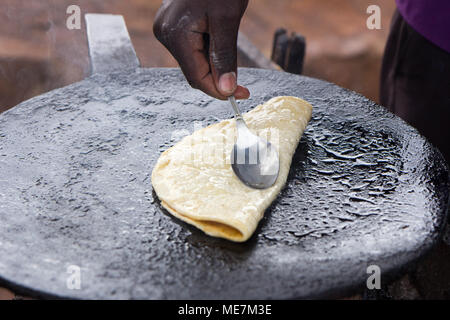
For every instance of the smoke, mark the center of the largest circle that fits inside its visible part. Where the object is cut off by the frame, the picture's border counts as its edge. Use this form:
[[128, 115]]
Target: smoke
[[37, 51]]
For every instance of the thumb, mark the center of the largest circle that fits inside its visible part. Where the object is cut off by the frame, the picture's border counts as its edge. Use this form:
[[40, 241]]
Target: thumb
[[223, 54]]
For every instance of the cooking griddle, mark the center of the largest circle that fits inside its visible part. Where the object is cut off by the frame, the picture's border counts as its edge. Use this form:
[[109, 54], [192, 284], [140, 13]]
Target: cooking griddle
[[364, 189]]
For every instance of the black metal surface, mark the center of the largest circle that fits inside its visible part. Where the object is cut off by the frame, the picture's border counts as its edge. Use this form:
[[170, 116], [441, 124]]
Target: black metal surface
[[364, 188], [110, 46]]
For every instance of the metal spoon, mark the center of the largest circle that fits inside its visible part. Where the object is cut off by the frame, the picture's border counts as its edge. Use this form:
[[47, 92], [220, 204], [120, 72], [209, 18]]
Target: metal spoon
[[253, 159]]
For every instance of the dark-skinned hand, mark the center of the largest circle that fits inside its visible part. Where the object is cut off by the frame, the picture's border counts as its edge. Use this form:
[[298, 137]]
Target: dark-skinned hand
[[202, 36]]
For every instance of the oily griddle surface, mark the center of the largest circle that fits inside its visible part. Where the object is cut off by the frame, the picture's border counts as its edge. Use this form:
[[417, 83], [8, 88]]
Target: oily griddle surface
[[76, 163]]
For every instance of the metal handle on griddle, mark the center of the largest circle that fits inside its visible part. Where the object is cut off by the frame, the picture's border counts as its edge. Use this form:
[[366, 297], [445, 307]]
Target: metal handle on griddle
[[110, 46]]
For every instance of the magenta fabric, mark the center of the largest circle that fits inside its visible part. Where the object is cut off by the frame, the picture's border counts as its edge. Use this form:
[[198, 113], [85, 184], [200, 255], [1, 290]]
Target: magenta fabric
[[430, 18]]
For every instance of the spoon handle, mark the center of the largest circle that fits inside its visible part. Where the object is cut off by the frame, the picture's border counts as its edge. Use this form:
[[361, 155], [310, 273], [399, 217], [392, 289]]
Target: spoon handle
[[243, 130], [237, 112]]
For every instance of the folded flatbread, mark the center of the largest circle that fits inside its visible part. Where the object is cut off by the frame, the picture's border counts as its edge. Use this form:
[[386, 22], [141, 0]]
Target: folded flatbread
[[195, 182]]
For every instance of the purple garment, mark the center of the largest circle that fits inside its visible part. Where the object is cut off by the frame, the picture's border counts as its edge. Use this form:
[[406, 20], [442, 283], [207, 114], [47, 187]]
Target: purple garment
[[430, 18]]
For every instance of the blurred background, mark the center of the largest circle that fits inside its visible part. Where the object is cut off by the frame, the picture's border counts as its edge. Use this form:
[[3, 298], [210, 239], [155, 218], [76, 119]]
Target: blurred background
[[38, 53]]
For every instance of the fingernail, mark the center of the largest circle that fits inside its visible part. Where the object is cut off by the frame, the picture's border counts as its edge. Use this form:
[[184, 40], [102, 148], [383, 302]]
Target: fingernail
[[227, 82]]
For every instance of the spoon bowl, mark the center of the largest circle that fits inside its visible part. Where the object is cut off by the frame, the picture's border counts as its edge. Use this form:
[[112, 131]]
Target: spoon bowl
[[254, 160]]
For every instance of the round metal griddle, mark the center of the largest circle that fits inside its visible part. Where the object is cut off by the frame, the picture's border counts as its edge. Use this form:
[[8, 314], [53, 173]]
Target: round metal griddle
[[364, 189]]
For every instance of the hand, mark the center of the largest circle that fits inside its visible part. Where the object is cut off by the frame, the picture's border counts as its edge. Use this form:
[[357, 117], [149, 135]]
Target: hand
[[202, 37]]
